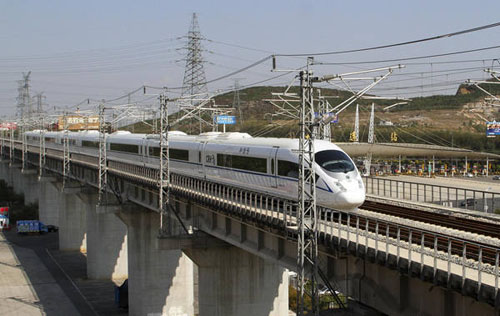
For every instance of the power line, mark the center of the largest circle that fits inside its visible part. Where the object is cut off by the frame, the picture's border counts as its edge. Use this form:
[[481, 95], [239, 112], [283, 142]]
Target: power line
[[355, 50], [105, 69], [471, 30], [411, 58], [239, 46], [86, 51], [195, 82], [462, 61]]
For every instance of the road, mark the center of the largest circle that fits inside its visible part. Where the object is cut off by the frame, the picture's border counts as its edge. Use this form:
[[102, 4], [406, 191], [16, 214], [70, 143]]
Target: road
[[30, 284], [65, 290]]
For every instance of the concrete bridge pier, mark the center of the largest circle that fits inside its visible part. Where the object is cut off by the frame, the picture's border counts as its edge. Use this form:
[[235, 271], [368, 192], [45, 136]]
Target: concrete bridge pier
[[26, 181], [5, 171], [73, 220], [50, 201], [394, 293], [235, 282], [106, 242], [22, 181], [160, 281]]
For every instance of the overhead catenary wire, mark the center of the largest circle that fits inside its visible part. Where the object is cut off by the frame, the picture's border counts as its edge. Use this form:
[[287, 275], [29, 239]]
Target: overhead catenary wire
[[87, 51], [426, 39], [266, 58], [410, 58], [461, 61]]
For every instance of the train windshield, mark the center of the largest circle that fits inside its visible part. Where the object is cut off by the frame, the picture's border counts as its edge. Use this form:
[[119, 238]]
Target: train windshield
[[334, 161]]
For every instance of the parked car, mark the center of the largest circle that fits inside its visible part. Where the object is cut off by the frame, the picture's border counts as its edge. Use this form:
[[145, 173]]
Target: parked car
[[52, 228], [468, 202]]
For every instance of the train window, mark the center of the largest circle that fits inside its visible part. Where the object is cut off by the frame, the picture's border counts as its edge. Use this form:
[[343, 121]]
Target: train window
[[288, 169], [50, 140], [154, 151], [224, 160], [124, 148], [334, 161], [242, 162], [272, 166], [89, 143], [179, 154]]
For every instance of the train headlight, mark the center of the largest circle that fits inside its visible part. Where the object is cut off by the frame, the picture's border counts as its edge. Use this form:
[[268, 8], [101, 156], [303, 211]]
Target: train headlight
[[340, 186]]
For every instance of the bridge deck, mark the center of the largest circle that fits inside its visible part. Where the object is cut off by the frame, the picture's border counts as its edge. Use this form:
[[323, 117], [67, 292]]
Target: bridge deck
[[403, 247]]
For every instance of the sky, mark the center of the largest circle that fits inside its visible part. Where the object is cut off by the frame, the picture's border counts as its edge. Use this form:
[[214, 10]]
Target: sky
[[97, 50]]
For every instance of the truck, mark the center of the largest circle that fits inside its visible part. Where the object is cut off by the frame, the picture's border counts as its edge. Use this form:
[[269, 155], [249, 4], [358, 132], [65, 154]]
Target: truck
[[4, 218], [31, 226]]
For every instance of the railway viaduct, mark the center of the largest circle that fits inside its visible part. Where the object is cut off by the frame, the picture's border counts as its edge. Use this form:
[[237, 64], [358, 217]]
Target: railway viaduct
[[233, 248]]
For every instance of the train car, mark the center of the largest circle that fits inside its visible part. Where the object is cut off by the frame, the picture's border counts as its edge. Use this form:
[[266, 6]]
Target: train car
[[268, 165]]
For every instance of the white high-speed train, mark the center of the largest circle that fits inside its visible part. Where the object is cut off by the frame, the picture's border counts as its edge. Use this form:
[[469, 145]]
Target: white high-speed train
[[267, 165]]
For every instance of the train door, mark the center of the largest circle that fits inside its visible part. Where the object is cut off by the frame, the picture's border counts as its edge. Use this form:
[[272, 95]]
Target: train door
[[201, 160], [144, 150], [274, 167]]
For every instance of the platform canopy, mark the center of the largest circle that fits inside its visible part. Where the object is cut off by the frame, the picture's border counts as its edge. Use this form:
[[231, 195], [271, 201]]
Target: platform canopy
[[393, 150]]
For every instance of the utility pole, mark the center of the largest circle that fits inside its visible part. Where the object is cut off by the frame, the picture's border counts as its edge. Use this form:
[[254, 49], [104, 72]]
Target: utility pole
[[66, 154], [356, 125], [306, 213], [324, 108], [236, 98], [371, 139], [311, 121], [39, 103], [41, 157], [23, 99], [24, 129], [24, 111], [195, 83], [164, 181], [103, 169], [11, 148]]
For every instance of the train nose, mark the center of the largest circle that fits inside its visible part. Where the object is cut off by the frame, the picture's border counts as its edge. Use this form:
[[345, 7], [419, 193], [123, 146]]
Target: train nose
[[350, 199]]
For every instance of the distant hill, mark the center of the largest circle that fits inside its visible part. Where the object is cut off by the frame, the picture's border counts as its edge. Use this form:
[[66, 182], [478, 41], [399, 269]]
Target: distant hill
[[465, 94], [441, 119]]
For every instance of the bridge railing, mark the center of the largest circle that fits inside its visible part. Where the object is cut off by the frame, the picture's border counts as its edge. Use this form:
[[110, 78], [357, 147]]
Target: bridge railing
[[354, 232], [454, 256], [275, 210], [358, 234], [477, 200]]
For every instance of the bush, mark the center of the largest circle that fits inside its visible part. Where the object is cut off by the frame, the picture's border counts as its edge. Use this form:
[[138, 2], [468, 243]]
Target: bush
[[17, 209]]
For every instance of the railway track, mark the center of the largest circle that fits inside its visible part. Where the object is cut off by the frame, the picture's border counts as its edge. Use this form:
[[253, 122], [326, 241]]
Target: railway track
[[473, 250], [449, 221]]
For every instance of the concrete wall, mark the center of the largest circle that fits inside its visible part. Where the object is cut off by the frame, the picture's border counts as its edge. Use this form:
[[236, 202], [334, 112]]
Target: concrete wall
[[50, 201], [160, 281], [235, 282], [27, 182], [22, 182], [73, 221], [106, 244], [395, 294]]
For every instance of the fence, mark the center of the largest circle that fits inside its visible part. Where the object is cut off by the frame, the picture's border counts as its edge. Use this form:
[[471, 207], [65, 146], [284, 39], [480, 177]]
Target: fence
[[470, 199]]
